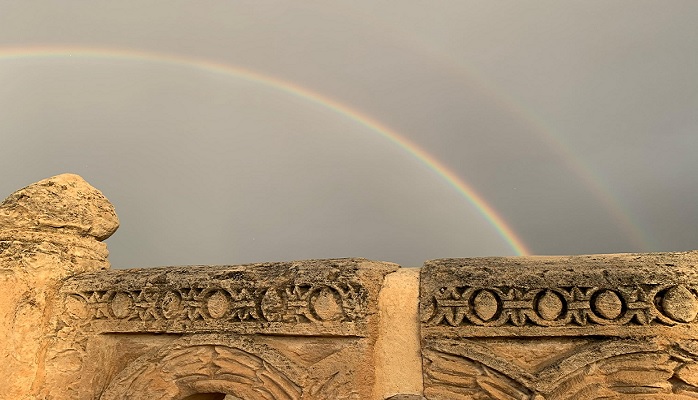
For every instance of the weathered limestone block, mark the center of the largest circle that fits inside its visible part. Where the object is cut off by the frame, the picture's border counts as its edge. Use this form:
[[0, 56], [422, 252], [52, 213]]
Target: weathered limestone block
[[48, 231], [287, 330], [578, 327]]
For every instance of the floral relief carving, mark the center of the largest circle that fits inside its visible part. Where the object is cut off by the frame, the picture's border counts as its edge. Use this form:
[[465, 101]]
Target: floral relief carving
[[322, 296], [304, 304], [563, 306], [614, 370]]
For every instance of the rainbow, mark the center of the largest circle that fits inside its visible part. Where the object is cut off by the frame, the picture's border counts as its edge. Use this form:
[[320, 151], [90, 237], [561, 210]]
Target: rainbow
[[462, 187], [592, 180]]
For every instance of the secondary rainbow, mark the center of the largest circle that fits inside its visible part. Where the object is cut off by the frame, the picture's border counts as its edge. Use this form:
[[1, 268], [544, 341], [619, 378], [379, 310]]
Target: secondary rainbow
[[536, 125], [490, 214]]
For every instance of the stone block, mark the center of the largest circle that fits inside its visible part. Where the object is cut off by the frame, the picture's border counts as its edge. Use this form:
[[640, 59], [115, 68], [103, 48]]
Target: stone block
[[586, 327], [287, 330]]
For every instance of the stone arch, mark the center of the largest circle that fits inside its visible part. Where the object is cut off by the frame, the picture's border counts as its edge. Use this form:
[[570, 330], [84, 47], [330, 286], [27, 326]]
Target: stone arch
[[183, 371]]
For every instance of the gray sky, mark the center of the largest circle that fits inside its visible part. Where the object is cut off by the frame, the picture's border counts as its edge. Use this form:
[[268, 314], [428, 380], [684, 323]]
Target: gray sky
[[577, 121]]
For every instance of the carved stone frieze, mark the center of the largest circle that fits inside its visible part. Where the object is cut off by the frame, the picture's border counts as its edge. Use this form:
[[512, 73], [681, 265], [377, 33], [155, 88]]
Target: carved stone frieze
[[581, 295], [554, 328], [576, 306], [310, 297]]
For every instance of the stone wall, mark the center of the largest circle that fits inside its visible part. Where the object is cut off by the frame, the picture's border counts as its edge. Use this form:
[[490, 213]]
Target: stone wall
[[578, 327]]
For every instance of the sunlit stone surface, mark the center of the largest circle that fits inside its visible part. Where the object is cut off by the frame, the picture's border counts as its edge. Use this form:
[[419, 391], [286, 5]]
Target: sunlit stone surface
[[599, 326]]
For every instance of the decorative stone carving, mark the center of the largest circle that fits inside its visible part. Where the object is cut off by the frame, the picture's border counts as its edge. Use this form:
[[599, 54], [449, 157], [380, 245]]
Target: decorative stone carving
[[185, 369], [580, 327], [580, 306], [321, 315], [291, 330], [548, 328], [301, 298], [618, 368]]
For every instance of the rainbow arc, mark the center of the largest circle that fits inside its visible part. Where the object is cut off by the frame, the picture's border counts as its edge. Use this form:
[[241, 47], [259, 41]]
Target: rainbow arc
[[450, 177]]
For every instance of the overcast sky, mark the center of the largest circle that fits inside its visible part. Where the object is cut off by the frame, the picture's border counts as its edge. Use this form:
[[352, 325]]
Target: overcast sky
[[576, 121]]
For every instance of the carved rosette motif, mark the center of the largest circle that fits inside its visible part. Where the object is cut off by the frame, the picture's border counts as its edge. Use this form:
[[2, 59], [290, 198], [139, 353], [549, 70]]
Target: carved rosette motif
[[564, 306], [235, 302], [290, 304]]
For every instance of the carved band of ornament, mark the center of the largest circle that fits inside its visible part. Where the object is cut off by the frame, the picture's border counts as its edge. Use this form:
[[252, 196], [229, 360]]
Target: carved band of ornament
[[501, 306], [295, 303]]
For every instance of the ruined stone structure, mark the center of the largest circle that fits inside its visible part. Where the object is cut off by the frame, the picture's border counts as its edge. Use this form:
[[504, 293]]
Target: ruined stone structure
[[618, 326]]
